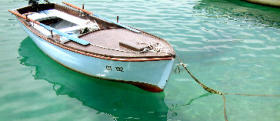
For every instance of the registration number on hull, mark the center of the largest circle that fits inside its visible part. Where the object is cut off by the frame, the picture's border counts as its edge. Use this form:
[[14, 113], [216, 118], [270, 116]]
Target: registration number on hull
[[117, 68]]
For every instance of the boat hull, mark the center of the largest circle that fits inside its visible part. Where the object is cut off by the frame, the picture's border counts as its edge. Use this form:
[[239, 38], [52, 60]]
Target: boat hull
[[149, 75]]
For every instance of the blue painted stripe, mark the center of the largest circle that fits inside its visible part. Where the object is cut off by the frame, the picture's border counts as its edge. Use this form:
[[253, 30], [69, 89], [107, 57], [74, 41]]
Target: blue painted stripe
[[80, 41], [124, 26]]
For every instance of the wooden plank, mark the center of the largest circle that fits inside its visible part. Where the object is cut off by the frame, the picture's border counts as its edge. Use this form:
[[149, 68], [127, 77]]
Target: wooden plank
[[132, 46]]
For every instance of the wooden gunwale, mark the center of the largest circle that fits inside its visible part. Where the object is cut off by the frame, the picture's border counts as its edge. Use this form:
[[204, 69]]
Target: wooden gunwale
[[90, 16], [73, 6], [93, 17], [96, 55]]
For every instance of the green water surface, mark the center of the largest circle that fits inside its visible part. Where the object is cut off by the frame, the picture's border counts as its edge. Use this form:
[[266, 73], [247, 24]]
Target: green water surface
[[230, 45]]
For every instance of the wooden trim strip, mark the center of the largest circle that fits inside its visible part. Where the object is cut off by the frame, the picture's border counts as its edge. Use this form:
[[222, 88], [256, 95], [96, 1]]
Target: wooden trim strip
[[24, 17], [76, 7], [102, 18]]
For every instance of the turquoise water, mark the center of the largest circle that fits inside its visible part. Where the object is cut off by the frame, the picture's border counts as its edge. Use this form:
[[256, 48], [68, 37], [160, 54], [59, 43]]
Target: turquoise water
[[231, 46]]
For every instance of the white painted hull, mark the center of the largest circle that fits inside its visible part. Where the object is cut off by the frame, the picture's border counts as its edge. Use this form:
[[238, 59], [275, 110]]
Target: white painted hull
[[154, 73]]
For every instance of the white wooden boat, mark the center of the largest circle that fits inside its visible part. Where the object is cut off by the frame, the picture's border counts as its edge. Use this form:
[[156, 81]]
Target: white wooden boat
[[96, 46]]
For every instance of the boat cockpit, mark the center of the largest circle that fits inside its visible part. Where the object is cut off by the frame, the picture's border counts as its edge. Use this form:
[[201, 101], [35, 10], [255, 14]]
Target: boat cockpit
[[63, 22]]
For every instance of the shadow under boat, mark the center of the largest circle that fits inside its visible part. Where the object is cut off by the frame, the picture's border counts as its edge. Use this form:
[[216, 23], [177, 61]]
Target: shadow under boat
[[242, 10], [123, 101]]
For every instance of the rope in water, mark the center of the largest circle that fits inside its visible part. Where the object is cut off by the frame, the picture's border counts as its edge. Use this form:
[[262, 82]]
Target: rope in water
[[213, 91]]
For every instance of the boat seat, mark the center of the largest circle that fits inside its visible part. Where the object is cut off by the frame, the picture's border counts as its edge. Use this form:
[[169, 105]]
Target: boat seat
[[70, 29], [46, 14], [80, 25], [91, 26]]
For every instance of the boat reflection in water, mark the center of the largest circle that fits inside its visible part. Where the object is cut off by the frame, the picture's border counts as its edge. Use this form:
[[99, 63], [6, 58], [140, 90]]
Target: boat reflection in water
[[118, 99]]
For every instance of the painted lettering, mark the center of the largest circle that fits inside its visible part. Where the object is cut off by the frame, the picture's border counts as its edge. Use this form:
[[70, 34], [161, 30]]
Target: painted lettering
[[109, 68], [119, 69]]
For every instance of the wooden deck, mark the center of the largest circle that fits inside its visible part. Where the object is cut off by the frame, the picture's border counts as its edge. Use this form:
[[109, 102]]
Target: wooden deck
[[107, 42]]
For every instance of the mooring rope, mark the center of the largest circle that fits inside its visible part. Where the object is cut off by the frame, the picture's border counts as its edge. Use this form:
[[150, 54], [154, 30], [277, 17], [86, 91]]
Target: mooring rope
[[225, 110], [213, 91], [256, 95]]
